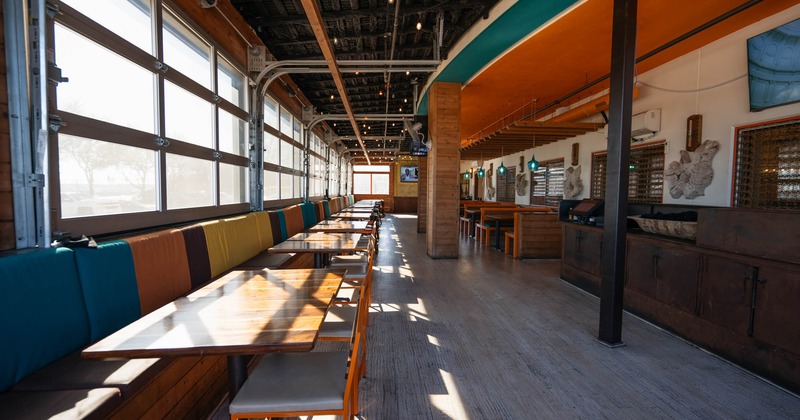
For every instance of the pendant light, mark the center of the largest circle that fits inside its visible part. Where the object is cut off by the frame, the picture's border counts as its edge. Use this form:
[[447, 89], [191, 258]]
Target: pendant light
[[467, 175], [501, 170], [533, 164], [481, 172]]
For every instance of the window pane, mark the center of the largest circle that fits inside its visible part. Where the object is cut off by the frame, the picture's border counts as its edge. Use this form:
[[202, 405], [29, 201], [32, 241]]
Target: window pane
[[271, 149], [188, 117], [380, 183], [231, 83], [233, 186], [186, 52], [361, 183], [287, 154], [97, 177], [271, 183], [370, 168], [189, 182], [271, 113], [286, 122], [297, 132], [128, 19], [298, 159], [94, 90], [287, 186], [232, 134], [298, 187]]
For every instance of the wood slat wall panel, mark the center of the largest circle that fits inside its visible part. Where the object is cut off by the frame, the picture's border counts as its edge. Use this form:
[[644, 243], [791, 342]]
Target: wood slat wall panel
[[422, 196], [539, 236], [181, 398], [444, 129]]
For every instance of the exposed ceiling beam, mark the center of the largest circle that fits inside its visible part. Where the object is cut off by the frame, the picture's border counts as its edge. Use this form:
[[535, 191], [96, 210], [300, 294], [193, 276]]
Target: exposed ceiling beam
[[318, 25], [416, 9]]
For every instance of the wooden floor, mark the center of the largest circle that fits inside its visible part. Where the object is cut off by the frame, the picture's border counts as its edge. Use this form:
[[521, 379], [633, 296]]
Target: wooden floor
[[489, 337]]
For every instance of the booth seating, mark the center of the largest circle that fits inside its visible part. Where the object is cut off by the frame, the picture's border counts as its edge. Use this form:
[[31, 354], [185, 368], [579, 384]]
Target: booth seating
[[484, 228], [535, 235], [57, 301]]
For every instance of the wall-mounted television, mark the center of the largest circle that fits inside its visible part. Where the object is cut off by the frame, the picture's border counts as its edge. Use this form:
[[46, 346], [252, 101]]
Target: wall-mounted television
[[409, 174], [773, 68]]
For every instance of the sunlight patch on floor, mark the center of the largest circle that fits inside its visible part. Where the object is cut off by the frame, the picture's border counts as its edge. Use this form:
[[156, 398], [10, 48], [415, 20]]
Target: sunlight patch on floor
[[433, 340], [450, 404]]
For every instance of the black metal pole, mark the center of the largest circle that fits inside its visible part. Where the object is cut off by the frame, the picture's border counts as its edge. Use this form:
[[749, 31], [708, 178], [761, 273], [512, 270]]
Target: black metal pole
[[623, 61]]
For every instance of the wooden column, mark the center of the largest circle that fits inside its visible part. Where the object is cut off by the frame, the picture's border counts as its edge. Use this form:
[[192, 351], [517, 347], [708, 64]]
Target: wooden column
[[422, 195], [444, 129]]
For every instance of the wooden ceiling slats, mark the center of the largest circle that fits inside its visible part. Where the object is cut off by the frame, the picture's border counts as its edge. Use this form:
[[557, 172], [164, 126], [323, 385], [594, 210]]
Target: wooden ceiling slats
[[520, 136]]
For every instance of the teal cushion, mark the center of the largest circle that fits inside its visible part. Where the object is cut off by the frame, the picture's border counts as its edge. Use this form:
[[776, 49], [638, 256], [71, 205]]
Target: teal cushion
[[309, 214], [42, 311], [109, 287], [282, 221], [326, 204]]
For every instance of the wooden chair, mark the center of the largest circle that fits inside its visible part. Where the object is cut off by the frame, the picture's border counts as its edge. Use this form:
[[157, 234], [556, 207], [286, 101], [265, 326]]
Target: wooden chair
[[342, 319], [301, 384], [464, 225], [511, 242]]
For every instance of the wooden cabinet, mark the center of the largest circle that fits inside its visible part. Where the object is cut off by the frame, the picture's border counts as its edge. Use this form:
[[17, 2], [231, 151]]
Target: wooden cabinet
[[776, 313], [666, 273], [723, 292], [583, 248]]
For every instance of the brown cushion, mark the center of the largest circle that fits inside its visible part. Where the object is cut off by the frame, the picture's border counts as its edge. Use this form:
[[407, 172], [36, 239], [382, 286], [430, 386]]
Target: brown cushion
[[73, 372], [95, 403]]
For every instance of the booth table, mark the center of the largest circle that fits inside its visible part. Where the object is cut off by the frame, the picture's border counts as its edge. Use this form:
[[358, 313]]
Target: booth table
[[242, 313]]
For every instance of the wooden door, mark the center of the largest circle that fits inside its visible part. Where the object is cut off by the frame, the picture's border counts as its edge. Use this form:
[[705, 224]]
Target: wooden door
[[640, 273], [724, 292], [676, 278], [776, 319], [583, 249]]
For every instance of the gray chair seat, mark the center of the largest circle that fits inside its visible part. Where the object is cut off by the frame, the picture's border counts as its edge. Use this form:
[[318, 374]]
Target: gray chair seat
[[349, 259], [338, 322], [349, 294], [294, 382]]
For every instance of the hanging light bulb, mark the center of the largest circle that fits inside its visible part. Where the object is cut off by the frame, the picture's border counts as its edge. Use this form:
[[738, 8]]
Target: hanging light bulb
[[481, 172], [501, 170], [533, 164], [419, 26], [466, 175]]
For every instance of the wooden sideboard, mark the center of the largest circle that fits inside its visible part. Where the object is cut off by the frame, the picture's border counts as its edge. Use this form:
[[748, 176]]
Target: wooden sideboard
[[735, 291]]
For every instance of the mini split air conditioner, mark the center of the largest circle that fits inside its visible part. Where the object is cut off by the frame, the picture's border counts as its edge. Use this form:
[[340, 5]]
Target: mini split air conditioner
[[646, 124]]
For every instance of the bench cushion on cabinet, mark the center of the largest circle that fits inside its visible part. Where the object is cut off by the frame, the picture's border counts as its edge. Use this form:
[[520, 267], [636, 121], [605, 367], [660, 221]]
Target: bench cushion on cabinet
[[162, 268], [95, 403]]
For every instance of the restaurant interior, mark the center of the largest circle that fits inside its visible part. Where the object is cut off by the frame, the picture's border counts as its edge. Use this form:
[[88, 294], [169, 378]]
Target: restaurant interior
[[389, 209]]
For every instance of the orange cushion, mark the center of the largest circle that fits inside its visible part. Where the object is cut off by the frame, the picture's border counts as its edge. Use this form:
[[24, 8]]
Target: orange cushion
[[162, 269], [294, 220]]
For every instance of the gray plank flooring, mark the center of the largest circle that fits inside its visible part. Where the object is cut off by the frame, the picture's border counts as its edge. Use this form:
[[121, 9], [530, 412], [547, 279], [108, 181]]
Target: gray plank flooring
[[488, 337]]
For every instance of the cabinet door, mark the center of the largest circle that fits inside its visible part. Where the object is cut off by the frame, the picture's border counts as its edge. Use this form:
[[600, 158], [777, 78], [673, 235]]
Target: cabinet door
[[641, 265], [724, 292], [676, 278], [583, 249], [776, 319]]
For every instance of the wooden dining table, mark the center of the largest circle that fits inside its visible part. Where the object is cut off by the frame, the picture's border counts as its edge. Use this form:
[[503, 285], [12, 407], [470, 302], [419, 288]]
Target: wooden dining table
[[243, 313], [339, 226], [352, 215], [323, 245], [500, 219]]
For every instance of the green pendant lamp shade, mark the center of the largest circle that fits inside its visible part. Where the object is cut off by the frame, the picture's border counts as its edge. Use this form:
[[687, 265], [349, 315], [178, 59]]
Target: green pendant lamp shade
[[533, 164], [501, 170], [467, 175]]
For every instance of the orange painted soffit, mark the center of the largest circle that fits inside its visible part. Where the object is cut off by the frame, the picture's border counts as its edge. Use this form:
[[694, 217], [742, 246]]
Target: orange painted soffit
[[576, 49]]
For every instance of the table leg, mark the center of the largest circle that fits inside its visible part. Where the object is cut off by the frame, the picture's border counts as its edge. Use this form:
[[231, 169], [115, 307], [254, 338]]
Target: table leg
[[319, 260], [237, 374], [497, 234]]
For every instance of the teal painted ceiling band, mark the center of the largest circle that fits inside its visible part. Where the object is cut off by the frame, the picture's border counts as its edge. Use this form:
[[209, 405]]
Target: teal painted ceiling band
[[516, 23]]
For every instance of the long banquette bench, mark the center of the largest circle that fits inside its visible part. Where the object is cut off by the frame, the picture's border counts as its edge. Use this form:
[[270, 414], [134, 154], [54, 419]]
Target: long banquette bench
[[55, 302]]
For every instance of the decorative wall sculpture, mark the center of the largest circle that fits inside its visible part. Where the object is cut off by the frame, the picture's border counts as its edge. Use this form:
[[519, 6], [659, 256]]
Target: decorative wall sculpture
[[490, 189], [691, 176], [573, 185], [520, 182]]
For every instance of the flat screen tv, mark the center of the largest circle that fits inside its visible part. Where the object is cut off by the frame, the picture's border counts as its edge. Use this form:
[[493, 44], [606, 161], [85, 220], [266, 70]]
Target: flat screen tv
[[409, 174], [773, 67]]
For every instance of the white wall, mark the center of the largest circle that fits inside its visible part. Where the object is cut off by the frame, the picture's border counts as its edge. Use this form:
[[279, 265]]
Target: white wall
[[723, 108]]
